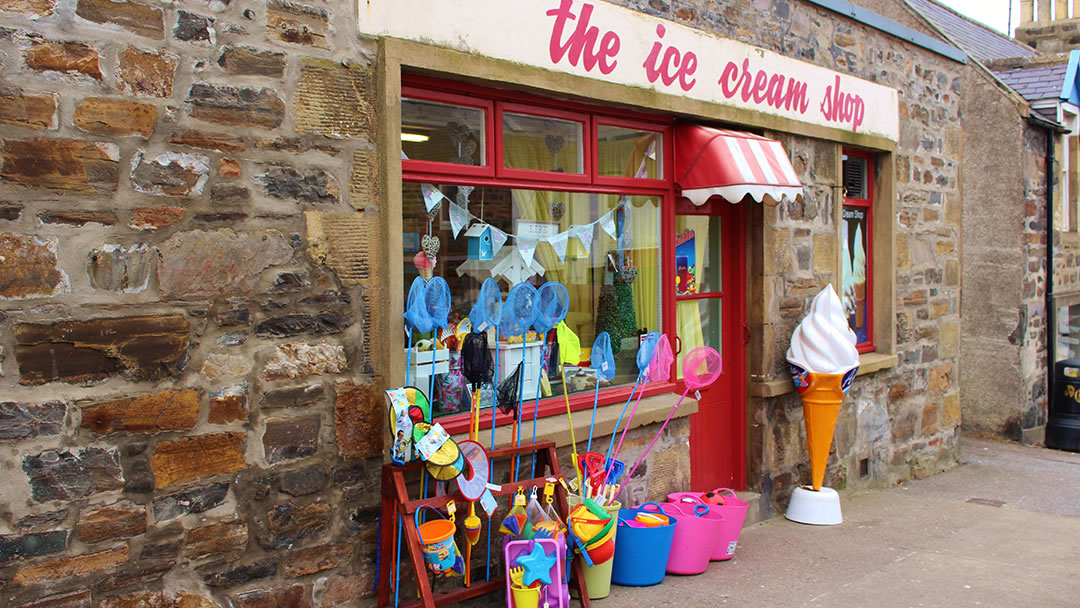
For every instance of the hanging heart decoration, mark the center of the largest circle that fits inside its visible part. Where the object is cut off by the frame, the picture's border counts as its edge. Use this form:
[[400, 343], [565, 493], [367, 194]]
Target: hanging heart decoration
[[556, 210], [431, 245], [458, 132], [462, 196], [554, 143], [627, 274]]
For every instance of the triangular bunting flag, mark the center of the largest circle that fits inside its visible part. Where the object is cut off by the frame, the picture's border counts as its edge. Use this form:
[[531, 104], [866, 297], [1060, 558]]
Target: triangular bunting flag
[[607, 223], [559, 242], [527, 247], [583, 234], [498, 239], [459, 218], [432, 196]]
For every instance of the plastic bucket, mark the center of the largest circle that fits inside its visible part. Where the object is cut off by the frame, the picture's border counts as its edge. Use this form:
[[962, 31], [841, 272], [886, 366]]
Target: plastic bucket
[[734, 512], [437, 543], [526, 598], [598, 576], [696, 530], [642, 553]]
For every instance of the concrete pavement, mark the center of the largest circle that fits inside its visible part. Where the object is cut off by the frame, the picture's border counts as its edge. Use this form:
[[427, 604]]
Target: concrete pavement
[[1002, 529]]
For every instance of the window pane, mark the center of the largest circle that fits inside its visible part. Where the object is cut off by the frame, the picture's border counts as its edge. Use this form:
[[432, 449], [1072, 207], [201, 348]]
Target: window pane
[[697, 254], [542, 144], [855, 269], [855, 176], [700, 324], [442, 132], [629, 152], [614, 284], [1068, 321]]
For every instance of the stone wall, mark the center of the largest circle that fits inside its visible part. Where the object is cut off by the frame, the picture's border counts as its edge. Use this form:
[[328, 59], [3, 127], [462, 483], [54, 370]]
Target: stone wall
[[897, 423], [190, 415], [1033, 346]]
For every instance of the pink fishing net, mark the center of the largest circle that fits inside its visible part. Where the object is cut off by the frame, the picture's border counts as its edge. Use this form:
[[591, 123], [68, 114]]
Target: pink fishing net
[[701, 367]]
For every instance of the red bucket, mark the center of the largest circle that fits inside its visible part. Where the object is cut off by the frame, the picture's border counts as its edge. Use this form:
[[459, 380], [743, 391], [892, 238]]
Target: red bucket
[[733, 510]]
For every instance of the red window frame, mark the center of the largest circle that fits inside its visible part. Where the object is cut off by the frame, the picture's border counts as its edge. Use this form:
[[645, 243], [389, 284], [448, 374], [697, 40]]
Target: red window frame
[[539, 175], [433, 89], [866, 203], [435, 167], [625, 123]]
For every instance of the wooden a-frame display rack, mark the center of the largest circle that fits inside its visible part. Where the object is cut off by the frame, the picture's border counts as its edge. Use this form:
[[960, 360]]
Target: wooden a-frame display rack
[[396, 503]]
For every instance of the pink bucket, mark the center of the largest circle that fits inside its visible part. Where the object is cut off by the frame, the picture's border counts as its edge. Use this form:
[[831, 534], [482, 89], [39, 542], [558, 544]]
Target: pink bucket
[[734, 512], [696, 530]]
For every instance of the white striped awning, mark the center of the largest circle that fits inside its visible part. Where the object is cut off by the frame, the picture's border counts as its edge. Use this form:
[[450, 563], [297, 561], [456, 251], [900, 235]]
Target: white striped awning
[[732, 164]]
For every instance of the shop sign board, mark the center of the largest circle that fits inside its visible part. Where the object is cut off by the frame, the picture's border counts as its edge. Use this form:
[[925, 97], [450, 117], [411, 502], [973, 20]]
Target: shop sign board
[[597, 39]]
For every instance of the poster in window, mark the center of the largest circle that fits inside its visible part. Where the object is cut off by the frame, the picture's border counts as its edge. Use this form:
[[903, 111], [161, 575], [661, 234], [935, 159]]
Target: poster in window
[[854, 279], [685, 264]]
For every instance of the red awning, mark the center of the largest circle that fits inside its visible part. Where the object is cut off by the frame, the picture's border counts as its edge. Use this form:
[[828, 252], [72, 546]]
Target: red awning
[[731, 164]]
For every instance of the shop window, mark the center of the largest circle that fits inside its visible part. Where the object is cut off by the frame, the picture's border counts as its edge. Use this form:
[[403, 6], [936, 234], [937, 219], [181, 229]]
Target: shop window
[[1068, 332], [545, 213], [856, 239]]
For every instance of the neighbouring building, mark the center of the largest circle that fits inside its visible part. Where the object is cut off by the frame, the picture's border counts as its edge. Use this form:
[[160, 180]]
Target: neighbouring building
[[1017, 319], [211, 214]]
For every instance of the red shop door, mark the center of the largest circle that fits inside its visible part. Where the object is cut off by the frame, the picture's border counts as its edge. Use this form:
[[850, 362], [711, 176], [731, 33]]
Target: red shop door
[[709, 302]]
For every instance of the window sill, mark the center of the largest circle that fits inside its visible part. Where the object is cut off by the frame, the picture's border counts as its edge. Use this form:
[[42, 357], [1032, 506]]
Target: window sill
[[555, 428], [1069, 240], [868, 364]]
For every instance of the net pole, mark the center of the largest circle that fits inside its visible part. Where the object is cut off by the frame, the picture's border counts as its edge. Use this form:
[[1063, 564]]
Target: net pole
[[536, 403]]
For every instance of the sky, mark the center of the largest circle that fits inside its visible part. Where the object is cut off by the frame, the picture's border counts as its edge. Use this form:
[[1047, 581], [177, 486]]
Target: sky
[[994, 13]]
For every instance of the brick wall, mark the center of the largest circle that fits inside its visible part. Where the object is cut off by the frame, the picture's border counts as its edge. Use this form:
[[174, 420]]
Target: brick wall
[[189, 414]]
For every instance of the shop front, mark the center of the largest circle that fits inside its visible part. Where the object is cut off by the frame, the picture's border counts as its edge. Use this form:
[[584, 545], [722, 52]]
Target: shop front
[[627, 157]]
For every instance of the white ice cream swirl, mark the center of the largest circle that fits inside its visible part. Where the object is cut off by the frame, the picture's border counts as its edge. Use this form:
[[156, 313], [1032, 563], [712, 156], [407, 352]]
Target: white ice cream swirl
[[823, 343]]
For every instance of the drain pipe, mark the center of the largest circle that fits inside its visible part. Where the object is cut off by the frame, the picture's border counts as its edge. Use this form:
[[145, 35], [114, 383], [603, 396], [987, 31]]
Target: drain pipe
[[1053, 129]]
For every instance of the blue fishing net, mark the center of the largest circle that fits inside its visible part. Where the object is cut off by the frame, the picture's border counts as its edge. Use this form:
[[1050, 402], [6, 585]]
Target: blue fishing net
[[488, 307], [645, 351], [519, 310], [553, 306], [416, 313], [601, 358], [437, 301]]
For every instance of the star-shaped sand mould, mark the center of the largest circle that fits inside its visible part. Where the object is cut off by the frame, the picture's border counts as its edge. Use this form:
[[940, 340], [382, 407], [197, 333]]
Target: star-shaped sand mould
[[537, 565]]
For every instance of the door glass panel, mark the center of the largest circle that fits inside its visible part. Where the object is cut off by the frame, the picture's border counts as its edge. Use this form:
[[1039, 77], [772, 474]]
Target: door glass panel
[[700, 324], [442, 132], [697, 254], [632, 153], [542, 144]]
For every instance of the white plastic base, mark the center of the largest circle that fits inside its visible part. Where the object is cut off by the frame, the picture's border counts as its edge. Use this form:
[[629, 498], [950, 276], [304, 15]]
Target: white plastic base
[[821, 508]]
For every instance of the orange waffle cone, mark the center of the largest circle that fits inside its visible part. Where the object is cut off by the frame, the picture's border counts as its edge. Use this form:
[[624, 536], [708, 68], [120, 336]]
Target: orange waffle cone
[[821, 407]]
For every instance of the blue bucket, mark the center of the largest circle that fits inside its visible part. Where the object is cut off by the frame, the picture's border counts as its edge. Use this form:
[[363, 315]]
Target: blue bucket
[[641, 555]]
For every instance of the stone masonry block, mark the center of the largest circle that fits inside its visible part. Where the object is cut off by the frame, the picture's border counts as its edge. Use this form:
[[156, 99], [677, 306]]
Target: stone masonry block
[[64, 58], [63, 165], [358, 419], [335, 100], [138, 18], [66, 475], [297, 23], [192, 458], [70, 567], [19, 421], [149, 73], [204, 264], [301, 359], [101, 116], [143, 347], [30, 267], [118, 520], [241, 107], [153, 413], [290, 438], [28, 111]]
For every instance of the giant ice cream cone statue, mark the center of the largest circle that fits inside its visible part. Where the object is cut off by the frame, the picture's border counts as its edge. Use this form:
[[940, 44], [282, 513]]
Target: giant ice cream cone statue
[[823, 362]]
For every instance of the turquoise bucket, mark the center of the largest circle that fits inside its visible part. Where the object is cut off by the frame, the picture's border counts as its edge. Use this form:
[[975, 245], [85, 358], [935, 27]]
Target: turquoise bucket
[[641, 555]]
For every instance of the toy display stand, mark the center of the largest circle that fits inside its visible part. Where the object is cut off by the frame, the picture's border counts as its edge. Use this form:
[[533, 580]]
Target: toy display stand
[[821, 508], [396, 504]]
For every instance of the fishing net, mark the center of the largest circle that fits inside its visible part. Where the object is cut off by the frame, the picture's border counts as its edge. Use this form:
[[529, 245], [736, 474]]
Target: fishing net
[[476, 362], [553, 306], [645, 351], [660, 365], [416, 312], [437, 301], [507, 394], [601, 358], [488, 308], [701, 367], [519, 310]]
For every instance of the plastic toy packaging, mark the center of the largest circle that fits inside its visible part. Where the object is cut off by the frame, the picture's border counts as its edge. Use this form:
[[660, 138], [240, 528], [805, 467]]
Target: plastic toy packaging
[[544, 520], [535, 516]]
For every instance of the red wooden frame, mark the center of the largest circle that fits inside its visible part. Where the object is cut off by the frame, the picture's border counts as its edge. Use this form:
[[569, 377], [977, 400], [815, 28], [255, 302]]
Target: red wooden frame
[[436, 167], [432, 89], [866, 203], [540, 175], [625, 123]]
